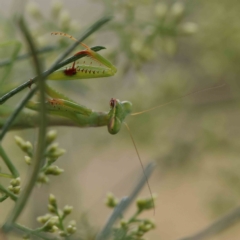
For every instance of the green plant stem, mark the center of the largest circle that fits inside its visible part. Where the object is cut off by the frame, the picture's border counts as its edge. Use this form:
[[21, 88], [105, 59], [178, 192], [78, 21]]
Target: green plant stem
[[9, 163], [4, 198], [20, 204], [27, 55], [31, 232], [61, 226], [133, 218], [6, 175], [9, 193]]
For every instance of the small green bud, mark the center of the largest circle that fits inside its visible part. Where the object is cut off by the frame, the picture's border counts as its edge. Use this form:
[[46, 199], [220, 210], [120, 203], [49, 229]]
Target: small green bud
[[10, 188], [15, 182], [111, 201], [51, 208], [16, 189], [28, 147], [67, 210], [145, 204], [124, 224], [54, 170], [28, 160], [141, 227], [53, 229], [140, 233], [56, 154], [33, 10], [51, 136], [52, 200], [71, 229], [73, 223], [49, 226], [52, 148], [51, 222], [42, 178], [64, 19], [56, 9], [148, 227], [25, 146], [44, 219], [19, 141], [188, 28], [177, 11], [161, 10], [149, 222]]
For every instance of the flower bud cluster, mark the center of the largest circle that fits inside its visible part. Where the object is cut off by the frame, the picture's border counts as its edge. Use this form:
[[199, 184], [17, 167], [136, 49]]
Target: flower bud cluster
[[111, 201], [26, 147], [134, 228], [145, 203], [34, 10], [52, 153], [144, 226], [53, 221], [15, 185]]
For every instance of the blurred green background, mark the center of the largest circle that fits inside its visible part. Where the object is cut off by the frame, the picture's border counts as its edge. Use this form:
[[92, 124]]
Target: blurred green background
[[163, 50]]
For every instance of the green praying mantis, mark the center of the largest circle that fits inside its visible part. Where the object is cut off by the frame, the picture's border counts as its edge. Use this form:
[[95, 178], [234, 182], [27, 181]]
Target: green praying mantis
[[58, 104]]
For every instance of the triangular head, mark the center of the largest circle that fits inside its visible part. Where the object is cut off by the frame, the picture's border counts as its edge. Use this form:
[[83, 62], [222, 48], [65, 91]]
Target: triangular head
[[119, 110]]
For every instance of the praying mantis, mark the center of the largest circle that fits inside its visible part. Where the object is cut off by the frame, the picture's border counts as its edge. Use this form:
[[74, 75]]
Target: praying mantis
[[63, 106]]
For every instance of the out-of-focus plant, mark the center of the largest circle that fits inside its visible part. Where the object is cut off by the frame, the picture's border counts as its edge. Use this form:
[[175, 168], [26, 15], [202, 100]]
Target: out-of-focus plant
[[133, 228], [146, 29], [52, 153]]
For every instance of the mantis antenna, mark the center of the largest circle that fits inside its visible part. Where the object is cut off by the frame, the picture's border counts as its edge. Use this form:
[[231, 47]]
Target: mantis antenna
[[69, 36], [174, 100], [139, 158]]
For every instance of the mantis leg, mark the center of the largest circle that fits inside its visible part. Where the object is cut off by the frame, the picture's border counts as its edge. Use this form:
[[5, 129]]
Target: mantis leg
[[60, 103]]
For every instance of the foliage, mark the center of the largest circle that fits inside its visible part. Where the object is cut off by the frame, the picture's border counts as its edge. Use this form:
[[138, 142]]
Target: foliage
[[163, 49]]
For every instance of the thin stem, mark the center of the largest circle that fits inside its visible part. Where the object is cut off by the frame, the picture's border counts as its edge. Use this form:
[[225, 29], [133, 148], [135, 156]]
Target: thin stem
[[18, 109], [4, 198], [9, 193], [133, 218], [31, 232], [27, 55], [60, 225], [9, 163], [6, 175], [41, 136]]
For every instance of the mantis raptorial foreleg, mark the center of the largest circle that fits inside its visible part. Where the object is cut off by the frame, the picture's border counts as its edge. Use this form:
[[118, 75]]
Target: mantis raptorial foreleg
[[103, 67]]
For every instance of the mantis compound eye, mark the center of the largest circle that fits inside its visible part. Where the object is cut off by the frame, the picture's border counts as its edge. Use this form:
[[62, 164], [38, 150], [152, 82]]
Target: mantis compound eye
[[113, 102]]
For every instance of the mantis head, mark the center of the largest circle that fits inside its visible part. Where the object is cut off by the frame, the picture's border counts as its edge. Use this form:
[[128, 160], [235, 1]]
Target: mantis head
[[119, 110]]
